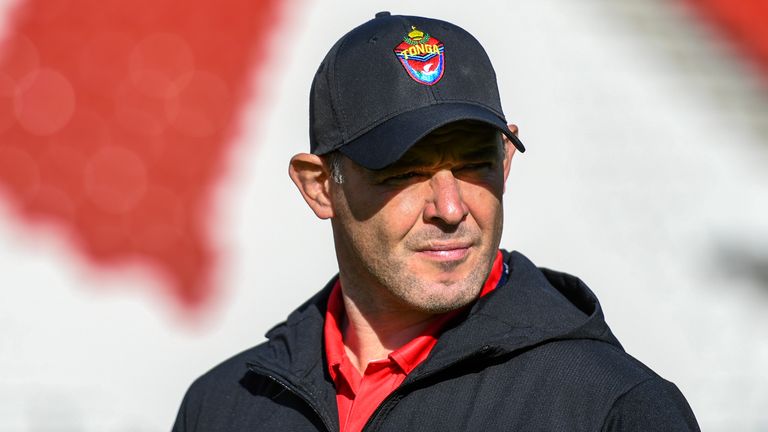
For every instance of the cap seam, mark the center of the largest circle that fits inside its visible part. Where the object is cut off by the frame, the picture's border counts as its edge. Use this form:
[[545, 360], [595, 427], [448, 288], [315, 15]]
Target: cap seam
[[434, 89], [491, 108], [436, 92]]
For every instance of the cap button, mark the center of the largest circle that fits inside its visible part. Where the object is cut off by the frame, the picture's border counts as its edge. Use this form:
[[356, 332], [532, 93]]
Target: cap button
[[383, 14]]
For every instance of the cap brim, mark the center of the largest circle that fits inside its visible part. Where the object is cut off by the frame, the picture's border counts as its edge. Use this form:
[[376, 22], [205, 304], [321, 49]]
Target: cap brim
[[386, 143]]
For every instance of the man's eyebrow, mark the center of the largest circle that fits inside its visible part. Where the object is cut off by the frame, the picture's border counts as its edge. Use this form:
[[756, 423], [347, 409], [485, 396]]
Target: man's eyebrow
[[402, 164], [484, 152]]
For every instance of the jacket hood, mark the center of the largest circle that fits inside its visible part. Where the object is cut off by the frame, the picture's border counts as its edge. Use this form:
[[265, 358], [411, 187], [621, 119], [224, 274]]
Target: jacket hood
[[534, 306]]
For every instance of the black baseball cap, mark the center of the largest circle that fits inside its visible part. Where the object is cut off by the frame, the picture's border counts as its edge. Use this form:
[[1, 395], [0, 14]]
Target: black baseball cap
[[388, 83]]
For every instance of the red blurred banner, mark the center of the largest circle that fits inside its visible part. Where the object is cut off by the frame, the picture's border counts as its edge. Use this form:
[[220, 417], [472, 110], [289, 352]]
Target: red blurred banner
[[115, 117], [744, 21]]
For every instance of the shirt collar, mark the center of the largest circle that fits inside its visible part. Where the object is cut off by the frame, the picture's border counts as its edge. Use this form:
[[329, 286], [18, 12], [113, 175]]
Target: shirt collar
[[413, 352], [334, 342]]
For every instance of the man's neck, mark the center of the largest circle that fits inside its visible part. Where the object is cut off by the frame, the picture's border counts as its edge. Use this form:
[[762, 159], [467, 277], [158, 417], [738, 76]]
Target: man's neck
[[371, 335]]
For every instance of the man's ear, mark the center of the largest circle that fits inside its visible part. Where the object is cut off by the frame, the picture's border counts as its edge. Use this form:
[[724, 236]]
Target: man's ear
[[310, 175], [509, 151]]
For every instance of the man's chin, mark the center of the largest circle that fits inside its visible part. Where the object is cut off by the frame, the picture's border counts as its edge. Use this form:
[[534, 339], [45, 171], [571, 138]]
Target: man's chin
[[442, 302]]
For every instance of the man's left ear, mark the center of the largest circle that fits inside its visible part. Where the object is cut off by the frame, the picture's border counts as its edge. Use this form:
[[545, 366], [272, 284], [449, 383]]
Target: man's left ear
[[509, 151], [312, 178]]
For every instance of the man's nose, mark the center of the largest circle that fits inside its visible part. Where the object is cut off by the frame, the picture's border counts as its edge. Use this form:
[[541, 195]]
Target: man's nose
[[446, 203]]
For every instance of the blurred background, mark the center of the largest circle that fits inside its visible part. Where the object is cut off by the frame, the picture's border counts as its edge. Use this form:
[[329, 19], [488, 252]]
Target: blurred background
[[148, 229]]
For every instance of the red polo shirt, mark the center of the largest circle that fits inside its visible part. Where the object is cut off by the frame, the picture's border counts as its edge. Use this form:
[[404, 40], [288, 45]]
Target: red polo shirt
[[358, 396]]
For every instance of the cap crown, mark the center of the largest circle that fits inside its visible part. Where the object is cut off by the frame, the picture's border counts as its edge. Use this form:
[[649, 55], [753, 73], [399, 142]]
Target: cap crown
[[362, 83]]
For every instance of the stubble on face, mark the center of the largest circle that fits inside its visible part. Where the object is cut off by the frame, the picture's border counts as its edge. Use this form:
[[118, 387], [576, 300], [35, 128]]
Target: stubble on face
[[431, 287], [384, 256]]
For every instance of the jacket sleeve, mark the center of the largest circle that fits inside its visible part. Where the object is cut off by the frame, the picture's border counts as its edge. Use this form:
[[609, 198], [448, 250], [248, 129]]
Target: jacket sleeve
[[652, 405], [188, 411], [180, 425]]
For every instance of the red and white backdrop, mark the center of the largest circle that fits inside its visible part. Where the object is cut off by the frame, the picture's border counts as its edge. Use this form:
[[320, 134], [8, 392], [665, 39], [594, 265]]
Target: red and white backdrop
[[148, 228]]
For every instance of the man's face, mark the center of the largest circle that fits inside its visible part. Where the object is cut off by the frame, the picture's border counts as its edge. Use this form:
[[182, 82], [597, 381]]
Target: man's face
[[422, 233]]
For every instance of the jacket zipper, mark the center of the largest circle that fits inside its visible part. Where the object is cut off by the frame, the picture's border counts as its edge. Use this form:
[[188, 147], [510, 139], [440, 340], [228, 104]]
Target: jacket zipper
[[293, 389], [394, 397]]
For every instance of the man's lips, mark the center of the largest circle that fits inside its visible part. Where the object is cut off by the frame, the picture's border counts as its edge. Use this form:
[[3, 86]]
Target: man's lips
[[445, 251]]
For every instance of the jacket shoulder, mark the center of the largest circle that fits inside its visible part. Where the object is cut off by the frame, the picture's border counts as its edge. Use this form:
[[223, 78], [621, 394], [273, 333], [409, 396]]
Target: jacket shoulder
[[217, 390], [600, 378], [652, 405], [231, 368]]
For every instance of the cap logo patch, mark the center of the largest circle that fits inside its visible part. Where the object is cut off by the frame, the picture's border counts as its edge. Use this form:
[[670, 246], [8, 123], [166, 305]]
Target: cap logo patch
[[422, 56]]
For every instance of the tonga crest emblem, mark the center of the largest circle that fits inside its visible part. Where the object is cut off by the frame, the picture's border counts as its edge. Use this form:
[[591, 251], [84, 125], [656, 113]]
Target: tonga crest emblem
[[422, 56]]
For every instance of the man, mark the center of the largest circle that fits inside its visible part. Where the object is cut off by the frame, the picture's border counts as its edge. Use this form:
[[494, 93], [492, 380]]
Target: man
[[428, 325]]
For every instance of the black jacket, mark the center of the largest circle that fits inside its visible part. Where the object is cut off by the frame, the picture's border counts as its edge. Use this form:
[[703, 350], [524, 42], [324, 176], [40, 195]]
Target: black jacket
[[533, 355]]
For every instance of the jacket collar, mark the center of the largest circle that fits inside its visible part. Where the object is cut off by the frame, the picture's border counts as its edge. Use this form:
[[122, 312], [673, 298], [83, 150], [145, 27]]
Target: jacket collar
[[533, 306], [293, 356]]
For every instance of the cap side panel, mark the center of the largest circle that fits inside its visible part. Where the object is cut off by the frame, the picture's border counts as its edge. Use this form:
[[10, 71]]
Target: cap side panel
[[470, 77], [336, 83], [324, 125], [494, 108]]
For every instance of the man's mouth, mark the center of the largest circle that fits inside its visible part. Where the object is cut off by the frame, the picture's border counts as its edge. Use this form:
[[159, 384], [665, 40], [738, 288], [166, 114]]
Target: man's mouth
[[449, 251]]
